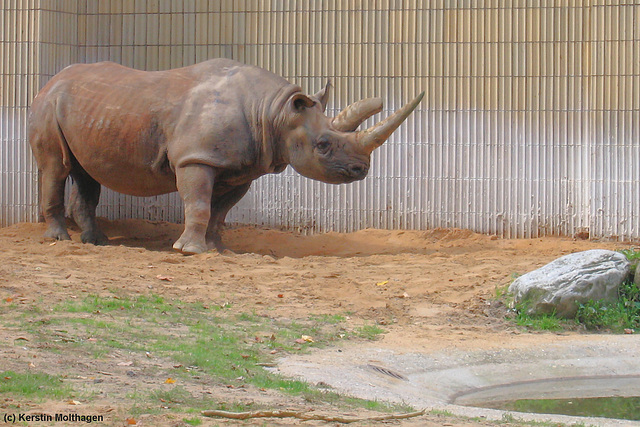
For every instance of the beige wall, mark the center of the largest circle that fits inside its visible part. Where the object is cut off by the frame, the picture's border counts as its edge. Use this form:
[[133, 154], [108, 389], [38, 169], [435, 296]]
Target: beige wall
[[530, 123]]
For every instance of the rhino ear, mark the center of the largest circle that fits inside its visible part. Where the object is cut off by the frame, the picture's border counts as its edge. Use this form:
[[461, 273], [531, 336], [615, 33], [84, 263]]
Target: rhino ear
[[300, 101], [323, 95]]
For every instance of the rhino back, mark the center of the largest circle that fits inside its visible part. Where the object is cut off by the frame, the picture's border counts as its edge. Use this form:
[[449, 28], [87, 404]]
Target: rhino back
[[128, 128]]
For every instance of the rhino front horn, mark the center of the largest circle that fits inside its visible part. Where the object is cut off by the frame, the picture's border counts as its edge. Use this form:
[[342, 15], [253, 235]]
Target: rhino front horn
[[351, 117], [376, 135]]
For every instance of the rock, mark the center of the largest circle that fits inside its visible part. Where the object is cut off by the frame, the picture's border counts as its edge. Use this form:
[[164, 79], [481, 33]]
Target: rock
[[571, 280]]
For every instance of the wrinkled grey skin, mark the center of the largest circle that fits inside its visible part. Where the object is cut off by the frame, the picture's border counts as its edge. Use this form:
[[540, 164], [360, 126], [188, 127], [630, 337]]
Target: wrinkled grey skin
[[206, 131]]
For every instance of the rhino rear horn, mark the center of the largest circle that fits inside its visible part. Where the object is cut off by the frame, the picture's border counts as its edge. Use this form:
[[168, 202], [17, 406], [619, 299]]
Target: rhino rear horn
[[323, 95], [376, 135], [351, 117]]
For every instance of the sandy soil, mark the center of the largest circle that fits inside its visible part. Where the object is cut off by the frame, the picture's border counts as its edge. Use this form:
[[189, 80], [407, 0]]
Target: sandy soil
[[431, 290]]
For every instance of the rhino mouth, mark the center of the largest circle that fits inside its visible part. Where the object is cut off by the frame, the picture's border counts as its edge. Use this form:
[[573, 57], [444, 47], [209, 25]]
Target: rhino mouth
[[351, 173]]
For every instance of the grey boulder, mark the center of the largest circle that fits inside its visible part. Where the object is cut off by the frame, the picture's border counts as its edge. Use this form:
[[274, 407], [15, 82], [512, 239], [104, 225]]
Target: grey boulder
[[571, 280]]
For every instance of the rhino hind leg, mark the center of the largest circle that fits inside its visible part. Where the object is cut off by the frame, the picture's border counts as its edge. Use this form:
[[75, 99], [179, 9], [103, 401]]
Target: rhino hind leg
[[83, 201], [51, 184], [220, 207], [195, 185]]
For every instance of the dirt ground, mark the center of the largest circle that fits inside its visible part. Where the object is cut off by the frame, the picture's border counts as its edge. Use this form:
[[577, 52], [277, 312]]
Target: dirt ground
[[430, 290]]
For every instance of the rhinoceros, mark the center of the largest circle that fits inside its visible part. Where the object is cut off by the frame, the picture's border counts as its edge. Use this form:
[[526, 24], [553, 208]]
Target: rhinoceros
[[207, 131]]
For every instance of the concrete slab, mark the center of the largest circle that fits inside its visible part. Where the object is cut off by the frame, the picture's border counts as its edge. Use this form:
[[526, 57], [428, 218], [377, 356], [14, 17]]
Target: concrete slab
[[604, 365]]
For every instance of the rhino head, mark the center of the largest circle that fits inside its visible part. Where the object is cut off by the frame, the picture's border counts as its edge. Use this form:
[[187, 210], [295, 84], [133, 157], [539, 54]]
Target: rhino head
[[330, 149]]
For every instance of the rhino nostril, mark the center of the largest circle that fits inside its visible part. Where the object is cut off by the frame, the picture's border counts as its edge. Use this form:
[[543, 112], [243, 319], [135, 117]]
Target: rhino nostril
[[357, 170]]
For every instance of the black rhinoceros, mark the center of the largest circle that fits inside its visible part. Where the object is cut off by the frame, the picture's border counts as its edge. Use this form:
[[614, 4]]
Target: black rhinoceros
[[207, 131]]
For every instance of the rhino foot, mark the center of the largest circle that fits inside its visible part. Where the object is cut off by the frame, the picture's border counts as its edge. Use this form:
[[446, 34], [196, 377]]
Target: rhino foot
[[95, 237], [57, 234], [214, 241], [189, 248], [223, 249]]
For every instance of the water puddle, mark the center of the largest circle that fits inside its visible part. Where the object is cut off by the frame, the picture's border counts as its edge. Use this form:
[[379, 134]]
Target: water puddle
[[579, 377], [595, 396], [626, 408]]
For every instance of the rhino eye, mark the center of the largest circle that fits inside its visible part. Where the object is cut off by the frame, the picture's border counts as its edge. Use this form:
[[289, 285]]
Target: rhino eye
[[323, 145]]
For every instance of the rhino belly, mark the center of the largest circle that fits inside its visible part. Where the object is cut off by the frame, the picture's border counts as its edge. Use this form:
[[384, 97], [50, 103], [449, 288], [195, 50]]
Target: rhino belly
[[121, 153], [127, 177]]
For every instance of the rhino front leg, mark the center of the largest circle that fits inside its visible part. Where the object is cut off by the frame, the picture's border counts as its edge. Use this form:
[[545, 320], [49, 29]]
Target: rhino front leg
[[195, 185], [220, 207]]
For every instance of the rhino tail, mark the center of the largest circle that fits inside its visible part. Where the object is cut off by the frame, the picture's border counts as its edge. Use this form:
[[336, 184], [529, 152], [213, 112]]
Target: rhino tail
[[62, 140]]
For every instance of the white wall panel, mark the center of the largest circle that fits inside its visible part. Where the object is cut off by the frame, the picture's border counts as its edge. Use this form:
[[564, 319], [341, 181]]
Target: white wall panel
[[530, 125], [19, 68]]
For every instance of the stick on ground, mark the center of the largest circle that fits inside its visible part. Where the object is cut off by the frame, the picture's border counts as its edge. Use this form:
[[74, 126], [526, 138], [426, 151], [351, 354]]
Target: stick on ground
[[306, 416]]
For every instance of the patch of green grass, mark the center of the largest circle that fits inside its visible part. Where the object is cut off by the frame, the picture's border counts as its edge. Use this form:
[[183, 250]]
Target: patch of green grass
[[617, 316], [501, 292], [368, 332], [332, 319], [33, 385], [147, 304], [541, 322], [441, 412], [175, 395], [509, 418], [224, 345], [633, 256]]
